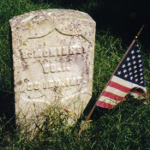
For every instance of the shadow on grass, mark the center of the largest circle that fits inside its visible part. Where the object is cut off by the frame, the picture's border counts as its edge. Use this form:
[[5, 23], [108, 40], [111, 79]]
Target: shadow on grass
[[7, 111], [7, 101]]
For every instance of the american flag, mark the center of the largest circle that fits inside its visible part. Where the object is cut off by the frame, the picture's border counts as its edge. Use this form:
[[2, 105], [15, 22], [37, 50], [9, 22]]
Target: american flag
[[128, 78]]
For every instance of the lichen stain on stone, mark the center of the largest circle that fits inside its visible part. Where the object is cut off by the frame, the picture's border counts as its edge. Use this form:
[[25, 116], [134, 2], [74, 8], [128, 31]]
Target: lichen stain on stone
[[29, 25], [24, 65], [19, 82], [41, 22], [26, 80]]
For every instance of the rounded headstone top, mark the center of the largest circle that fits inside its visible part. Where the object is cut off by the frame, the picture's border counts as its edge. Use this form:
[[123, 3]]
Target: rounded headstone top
[[50, 13], [40, 23]]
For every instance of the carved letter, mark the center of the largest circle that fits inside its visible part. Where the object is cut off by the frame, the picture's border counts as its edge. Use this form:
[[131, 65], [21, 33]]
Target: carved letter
[[67, 67], [45, 52], [67, 81], [65, 50], [59, 51], [72, 50], [73, 81], [64, 67], [53, 67], [85, 49], [45, 84], [29, 86], [51, 83], [78, 49], [46, 68], [79, 80], [53, 51], [37, 85], [58, 82], [59, 68], [85, 81], [38, 53], [24, 54]]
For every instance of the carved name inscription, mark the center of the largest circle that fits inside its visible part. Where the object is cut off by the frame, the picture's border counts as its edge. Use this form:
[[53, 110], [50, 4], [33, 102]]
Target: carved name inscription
[[53, 51], [53, 55], [53, 83]]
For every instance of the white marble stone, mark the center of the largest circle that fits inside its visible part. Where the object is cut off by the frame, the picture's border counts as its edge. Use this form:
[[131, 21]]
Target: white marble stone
[[53, 55]]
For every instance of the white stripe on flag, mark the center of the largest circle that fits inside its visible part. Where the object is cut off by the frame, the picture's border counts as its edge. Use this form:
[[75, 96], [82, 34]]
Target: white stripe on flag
[[126, 83], [108, 100], [115, 91]]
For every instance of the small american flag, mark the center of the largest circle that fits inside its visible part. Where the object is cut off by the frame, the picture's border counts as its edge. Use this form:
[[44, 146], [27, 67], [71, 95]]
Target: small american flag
[[128, 78]]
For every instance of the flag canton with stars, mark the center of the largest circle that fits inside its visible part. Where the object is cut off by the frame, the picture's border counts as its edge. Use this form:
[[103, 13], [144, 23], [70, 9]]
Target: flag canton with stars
[[131, 68]]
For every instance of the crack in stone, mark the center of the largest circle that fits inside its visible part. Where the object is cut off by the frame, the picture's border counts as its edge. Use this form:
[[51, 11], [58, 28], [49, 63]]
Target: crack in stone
[[57, 31], [41, 36], [73, 35]]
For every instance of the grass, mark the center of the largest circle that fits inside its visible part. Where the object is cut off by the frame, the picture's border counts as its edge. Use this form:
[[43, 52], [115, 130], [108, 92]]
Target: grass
[[127, 126]]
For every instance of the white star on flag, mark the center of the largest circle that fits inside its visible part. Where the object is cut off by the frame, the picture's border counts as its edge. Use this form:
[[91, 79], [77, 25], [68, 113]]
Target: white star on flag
[[129, 64], [134, 62], [135, 71], [140, 61], [138, 51], [128, 58], [137, 45], [141, 74], [141, 78], [123, 66], [141, 69], [124, 70], [133, 57], [126, 76], [119, 72], [130, 69], [131, 77]]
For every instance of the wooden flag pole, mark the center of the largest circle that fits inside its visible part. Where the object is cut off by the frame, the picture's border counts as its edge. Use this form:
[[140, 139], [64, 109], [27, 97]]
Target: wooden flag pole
[[136, 37]]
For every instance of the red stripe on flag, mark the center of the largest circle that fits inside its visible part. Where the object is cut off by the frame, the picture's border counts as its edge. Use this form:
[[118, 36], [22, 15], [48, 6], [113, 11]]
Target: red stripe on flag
[[119, 87], [112, 96], [105, 105], [140, 93]]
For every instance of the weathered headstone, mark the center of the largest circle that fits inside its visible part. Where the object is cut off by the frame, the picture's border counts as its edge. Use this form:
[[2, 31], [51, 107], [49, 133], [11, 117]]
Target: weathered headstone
[[53, 53]]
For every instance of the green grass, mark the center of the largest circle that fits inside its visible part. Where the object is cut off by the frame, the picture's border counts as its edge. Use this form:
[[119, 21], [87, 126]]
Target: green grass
[[127, 126]]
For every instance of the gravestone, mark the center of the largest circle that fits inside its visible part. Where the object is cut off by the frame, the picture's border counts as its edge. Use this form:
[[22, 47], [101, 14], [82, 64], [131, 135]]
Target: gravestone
[[53, 54]]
